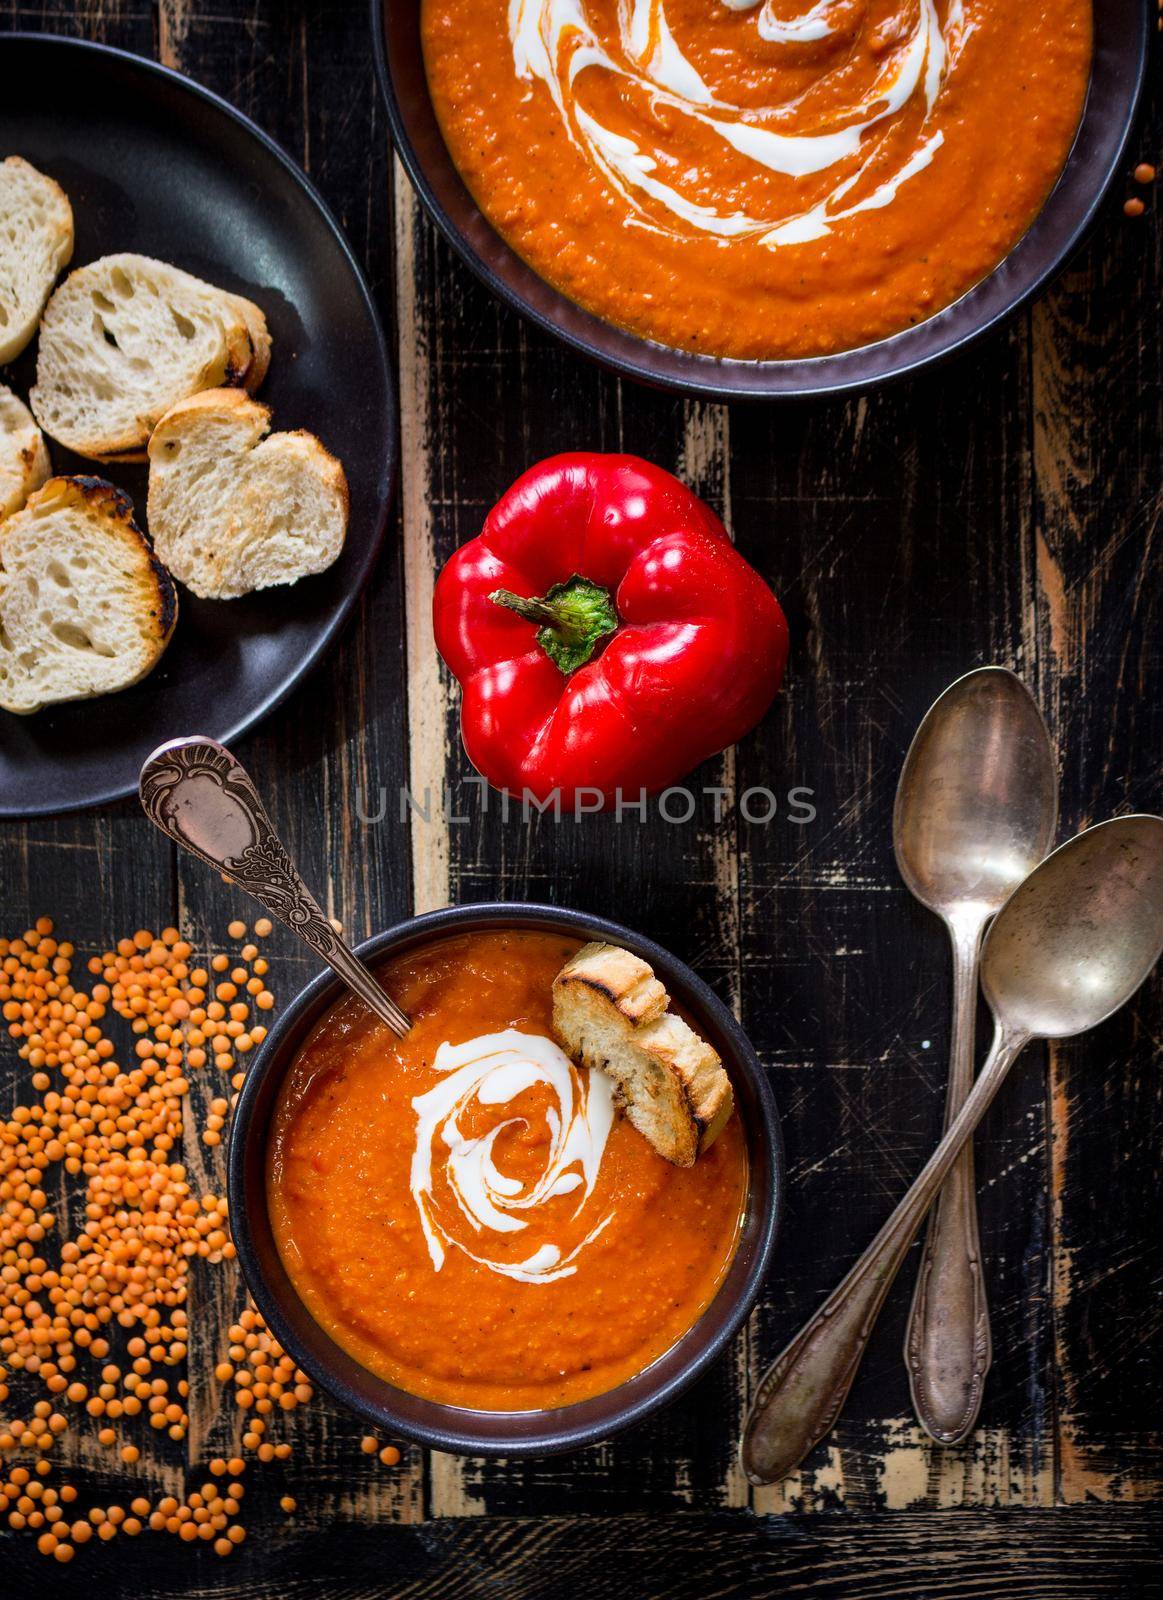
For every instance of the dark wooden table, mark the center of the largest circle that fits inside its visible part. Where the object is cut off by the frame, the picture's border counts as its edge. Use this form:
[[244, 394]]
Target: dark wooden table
[[1005, 509]]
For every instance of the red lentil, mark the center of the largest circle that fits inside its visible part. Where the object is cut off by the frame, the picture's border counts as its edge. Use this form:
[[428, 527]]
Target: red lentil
[[124, 1273]]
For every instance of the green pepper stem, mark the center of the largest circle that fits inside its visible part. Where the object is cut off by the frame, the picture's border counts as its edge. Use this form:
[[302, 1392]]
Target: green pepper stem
[[547, 613], [572, 619]]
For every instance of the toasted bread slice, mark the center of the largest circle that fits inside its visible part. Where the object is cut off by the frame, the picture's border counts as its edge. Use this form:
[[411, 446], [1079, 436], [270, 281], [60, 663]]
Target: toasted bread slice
[[24, 462], [36, 241], [126, 338], [610, 1012], [84, 607], [231, 510]]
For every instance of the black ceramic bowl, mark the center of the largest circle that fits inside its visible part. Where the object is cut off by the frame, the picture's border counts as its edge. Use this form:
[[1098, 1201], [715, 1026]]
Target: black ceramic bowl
[[490, 1432], [1122, 33]]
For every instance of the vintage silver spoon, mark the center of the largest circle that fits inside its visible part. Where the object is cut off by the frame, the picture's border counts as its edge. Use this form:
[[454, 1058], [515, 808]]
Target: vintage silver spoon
[[195, 791], [1068, 948], [976, 809]]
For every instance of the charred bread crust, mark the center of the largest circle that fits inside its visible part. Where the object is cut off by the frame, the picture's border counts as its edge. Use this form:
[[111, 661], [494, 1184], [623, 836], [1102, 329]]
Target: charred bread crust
[[610, 1012], [102, 495], [111, 502], [624, 979]]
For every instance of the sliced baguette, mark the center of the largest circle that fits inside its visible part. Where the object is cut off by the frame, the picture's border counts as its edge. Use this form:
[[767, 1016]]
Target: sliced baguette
[[36, 241], [231, 510], [610, 1013], [260, 342], [126, 338], [84, 607], [24, 462]]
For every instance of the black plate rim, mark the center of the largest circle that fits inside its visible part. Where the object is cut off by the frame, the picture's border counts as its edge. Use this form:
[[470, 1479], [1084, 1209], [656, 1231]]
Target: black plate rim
[[327, 636], [809, 379]]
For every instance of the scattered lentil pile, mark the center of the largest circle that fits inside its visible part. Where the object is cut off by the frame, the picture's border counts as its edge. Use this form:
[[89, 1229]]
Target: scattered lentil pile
[[98, 1324]]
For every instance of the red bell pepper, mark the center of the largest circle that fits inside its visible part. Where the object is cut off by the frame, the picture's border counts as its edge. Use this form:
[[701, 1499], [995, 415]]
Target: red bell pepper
[[606, 633]]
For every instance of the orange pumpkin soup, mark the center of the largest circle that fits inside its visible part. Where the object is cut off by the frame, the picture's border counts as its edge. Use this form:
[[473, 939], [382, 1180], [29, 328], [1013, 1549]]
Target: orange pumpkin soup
[[465, 1212], [759, 178]]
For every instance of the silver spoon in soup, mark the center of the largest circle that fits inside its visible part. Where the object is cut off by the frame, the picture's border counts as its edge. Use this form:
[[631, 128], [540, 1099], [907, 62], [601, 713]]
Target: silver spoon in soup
[[198, 794]]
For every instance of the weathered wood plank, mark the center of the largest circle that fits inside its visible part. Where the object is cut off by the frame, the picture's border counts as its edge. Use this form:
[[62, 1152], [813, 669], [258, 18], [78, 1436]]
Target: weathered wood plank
[[1068, 1553], [1096, 603], [475, 382], [429, 700], [126, 24], [342, 735], [893, 527], [99, 878]]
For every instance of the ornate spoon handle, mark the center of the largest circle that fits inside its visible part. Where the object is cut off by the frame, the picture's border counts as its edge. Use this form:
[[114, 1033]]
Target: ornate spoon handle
[[195, 791], [800, 1395], [948, 1347]]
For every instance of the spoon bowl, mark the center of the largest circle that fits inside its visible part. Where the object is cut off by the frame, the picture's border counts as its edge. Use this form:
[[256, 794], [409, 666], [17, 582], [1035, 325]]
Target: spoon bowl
[[1081, 933], [203, 798], [977, 802]]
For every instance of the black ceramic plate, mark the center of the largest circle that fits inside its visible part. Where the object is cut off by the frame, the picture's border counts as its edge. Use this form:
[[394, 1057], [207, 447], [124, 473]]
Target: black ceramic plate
[[1122, 32], [154, 164]]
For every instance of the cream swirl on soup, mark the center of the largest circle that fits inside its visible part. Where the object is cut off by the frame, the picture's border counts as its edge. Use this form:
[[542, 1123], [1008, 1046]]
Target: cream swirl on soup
[[455, 1180], [805, 164]]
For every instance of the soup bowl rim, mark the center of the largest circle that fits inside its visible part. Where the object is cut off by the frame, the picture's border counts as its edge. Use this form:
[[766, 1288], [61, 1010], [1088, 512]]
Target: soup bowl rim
[[1055, 232], [475, 1432]]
